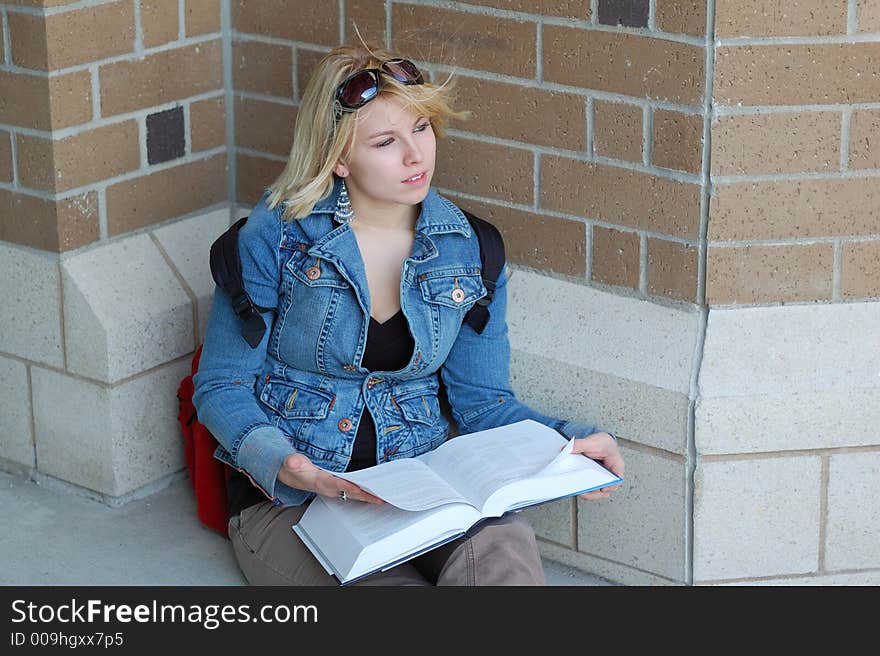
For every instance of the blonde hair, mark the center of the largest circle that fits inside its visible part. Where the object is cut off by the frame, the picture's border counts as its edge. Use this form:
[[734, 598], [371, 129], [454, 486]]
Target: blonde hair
[[319, 140]]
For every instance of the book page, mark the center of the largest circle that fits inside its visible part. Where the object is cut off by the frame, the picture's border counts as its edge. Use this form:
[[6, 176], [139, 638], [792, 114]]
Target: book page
[[568, 474], [406, 483], [478, 464]]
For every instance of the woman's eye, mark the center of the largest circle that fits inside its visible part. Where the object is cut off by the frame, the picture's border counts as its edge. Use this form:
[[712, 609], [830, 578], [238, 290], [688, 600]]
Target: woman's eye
[[389, 141]]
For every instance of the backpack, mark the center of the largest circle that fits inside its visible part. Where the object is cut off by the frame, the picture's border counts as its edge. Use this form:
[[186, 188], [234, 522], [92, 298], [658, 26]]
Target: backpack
[[207, 474]]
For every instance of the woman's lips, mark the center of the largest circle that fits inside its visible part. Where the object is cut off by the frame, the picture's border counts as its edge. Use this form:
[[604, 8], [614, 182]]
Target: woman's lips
[[419, 179]]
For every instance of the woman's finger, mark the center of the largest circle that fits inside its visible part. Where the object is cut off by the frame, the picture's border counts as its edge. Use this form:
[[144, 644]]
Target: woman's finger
[[332, 486]]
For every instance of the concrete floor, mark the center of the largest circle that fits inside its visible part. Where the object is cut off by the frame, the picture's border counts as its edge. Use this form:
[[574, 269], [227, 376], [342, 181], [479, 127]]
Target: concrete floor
[[55, 536]]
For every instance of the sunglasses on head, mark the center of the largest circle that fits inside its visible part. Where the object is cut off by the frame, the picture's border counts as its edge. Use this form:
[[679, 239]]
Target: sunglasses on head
[[360, 88]]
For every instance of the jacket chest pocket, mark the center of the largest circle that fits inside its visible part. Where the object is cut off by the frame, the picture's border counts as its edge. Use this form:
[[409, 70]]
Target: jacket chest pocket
[[293, 400], [315, 272], [458, 289], [420, 407]]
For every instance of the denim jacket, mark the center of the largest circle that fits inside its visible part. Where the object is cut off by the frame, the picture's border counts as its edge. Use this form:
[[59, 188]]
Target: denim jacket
[[303, 389]]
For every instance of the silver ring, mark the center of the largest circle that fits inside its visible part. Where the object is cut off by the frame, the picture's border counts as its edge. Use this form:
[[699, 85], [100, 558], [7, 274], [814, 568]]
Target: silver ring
[[342, 495]]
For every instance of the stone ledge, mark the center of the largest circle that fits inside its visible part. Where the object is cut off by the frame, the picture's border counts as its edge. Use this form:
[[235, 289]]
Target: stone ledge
[[124, 310]]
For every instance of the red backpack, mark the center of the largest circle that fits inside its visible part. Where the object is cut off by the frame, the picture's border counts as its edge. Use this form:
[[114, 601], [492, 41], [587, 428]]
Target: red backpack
[[207, 474]]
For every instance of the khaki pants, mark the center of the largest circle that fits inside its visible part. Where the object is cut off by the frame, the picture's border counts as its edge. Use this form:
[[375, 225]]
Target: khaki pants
[[501, 551]]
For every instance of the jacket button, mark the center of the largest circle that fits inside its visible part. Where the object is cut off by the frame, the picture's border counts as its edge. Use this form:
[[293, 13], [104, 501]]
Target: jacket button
[[313, 273], [345, 424], [457, 295]]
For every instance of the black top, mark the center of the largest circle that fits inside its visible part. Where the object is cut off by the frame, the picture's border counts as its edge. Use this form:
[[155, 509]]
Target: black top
[[389, 348]]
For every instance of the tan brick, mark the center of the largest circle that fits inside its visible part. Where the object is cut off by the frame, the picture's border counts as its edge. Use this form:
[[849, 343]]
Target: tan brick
[[616, 257], [60, 165], [55, 226], [868, 15], [253, 175], [24, 100], [117, 145], [510, 111], [77, 221], [795, 209], [36, 102], [860, 273], [70, 99], [312, 21], [262, 68], [306, 62], [787, 142], [74, 37], [542, 242], [159, 21], [208, 124], [617, 130], [624, 63], [482, 169], [678, 141], [606, 193], [202, 17], [5, 157], [165, 195], [488, 43], [40, 3], [368, 16], [264, 126], [562, 8], [818, 74], [35, 169], [769, 274], [160, 78], [681, 16], [672, 269], [864, 139], [28, 43], [773, 18]]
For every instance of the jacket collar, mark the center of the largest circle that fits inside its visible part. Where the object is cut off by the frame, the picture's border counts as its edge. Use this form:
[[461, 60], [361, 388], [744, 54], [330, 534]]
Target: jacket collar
[[438, 214]]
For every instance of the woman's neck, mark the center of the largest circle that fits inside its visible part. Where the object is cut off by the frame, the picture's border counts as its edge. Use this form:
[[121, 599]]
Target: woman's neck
[[391, 218]]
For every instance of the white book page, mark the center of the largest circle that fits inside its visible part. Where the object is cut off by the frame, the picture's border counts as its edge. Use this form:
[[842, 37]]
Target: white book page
[[568, 474], [478, 464], [407, 483]]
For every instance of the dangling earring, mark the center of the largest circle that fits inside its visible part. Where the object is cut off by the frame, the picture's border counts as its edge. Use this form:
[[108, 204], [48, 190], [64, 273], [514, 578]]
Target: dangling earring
[[344, 211]]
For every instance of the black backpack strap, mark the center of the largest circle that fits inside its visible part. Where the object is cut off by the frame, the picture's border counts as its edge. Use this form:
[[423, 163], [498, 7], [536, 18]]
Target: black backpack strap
[[491, 264], [226, 270]]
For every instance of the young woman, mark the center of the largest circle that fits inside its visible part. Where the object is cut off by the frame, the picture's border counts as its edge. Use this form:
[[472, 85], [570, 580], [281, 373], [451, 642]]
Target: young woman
[[364, 275]]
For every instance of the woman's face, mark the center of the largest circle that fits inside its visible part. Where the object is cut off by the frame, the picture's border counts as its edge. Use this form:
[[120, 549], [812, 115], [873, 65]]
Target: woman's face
[[391, 145]]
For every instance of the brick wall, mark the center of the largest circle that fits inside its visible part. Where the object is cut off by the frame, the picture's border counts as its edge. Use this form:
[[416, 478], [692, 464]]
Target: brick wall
[[586, 144], [795, 211], [111, 117], [598, 174]]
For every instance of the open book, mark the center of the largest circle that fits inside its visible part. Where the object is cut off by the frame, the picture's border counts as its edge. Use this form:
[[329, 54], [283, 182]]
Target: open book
[[436, 497]]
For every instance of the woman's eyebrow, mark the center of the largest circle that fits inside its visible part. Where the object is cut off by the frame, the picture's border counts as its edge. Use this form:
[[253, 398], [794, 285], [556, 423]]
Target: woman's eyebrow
[[384, 132]]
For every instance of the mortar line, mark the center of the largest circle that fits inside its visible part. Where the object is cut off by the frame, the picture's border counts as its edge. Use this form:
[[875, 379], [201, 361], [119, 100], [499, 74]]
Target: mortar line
[[691, 456], [823, 510]]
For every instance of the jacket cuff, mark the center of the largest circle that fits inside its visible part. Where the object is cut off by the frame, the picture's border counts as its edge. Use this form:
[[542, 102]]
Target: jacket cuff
[[572, 429], [261, 454]]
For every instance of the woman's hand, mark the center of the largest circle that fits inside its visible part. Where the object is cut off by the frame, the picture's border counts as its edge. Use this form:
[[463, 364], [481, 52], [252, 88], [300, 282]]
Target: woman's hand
[[601, 447], [299, 472]]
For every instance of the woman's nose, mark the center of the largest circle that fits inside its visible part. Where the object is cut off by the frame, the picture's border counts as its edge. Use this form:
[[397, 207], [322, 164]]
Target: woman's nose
[[413, 153]]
